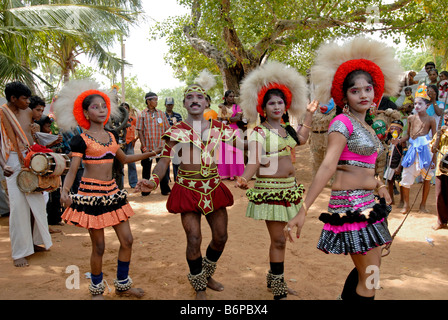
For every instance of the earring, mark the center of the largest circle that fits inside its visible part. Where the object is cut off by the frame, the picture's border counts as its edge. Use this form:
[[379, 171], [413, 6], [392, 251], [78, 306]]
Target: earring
[[87, 117], [372, 108], [346, 109]]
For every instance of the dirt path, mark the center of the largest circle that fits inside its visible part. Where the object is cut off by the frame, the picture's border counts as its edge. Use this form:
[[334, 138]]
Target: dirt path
[[414, 269]]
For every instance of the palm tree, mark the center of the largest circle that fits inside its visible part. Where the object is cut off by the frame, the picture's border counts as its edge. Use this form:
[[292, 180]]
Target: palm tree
[[38, 33]]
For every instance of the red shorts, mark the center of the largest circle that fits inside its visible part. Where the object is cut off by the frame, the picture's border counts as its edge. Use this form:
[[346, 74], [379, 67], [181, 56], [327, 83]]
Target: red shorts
[[185, 199]]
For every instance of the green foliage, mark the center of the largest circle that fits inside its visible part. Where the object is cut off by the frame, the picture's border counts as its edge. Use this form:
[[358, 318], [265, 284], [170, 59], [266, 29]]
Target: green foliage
[[34, 34], [246, 31], [135, 95]]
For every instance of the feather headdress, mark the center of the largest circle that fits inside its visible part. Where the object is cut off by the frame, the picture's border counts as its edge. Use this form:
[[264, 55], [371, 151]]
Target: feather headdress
[[273, 75], [68, 105], [204, 82], [334, 62]]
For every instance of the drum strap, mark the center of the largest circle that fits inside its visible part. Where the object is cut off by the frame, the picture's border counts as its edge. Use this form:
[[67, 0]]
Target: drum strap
[[11, 134]]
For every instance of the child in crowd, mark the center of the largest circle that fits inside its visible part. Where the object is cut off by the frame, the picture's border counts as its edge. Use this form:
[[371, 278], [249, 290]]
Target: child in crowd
[[418, 158], [392, 172]]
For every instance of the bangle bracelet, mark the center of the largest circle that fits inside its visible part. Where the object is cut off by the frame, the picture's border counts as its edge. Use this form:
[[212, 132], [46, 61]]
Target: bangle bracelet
[[306, 126], [381, 186], [245, 180]]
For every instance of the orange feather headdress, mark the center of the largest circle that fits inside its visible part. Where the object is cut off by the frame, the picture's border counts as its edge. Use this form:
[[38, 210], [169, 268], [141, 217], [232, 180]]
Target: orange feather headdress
[[273, 75], [68, 105]]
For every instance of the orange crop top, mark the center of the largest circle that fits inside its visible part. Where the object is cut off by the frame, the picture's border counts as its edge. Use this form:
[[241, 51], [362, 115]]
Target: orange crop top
[[93, 151]]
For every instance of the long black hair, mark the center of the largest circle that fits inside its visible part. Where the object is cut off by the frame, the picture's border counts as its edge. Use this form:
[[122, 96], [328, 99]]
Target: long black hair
[[226, 95], [285, 116]]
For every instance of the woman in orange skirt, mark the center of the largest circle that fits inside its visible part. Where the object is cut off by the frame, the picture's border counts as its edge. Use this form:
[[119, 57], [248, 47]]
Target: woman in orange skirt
[[99, 202]]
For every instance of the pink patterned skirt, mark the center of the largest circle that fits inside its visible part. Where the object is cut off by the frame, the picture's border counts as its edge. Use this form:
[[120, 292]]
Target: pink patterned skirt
[[355, 223]]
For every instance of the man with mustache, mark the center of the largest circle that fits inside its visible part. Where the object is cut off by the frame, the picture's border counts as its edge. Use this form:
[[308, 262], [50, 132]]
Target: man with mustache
[[198, 189]]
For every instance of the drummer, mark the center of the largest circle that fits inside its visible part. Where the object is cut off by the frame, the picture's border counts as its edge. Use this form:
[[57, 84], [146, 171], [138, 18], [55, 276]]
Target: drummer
[[16, 120]]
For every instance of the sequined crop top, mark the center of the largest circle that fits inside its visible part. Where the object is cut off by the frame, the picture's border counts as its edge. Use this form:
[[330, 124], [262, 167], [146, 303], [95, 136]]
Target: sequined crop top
[[273, 144], [362, 147], [93, 151]]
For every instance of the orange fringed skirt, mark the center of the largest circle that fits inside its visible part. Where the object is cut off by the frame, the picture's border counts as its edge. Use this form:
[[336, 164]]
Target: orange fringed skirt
[[98, 204]]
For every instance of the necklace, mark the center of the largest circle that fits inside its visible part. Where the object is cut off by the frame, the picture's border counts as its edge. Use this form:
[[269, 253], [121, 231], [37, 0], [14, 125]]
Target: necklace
[[359, 121], [276, 131]]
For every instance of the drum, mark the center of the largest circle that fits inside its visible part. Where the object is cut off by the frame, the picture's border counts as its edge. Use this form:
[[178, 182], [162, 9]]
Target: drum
[[443, 165], [27, 181], [56, 164]]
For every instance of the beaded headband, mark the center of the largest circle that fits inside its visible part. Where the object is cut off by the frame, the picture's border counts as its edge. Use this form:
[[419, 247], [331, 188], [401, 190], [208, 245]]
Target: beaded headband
[[194, 88]]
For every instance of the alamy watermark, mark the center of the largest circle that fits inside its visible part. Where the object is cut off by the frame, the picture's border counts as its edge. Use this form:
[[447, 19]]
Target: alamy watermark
[[73, 280], [373, 16], [373, 280]]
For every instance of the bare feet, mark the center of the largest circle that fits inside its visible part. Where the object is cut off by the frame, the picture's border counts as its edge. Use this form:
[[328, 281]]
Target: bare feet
[[214, 285], [201, 295], [39, 249], [22, 262], [405, 209], [54, 230], [423, 209], [290, 291], [133, 292], [439, 226]]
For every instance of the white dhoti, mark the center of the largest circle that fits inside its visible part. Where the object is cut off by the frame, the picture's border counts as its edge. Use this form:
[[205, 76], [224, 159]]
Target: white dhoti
[[21, 204]]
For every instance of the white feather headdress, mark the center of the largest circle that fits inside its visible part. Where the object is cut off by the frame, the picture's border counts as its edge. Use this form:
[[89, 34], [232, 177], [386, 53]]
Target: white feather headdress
[[331, 56], [270, 74], [63, 107], [204, 82]]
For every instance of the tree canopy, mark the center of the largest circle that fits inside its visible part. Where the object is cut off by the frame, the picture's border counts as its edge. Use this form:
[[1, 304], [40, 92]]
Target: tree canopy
[[40, 33], [232, 37]]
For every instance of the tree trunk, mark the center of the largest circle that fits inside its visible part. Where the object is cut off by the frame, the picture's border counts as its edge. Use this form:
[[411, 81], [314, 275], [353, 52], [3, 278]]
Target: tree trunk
[[232, 77]]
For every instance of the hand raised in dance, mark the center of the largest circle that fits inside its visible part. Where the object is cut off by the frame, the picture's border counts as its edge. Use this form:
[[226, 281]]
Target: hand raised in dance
[[312, 106]]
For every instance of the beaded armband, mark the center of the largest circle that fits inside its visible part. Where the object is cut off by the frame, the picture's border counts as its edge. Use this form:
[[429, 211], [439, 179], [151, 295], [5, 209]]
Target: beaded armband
[[166, 153]]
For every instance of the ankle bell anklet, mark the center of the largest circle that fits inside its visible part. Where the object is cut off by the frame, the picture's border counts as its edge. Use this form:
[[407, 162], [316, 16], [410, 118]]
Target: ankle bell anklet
[[198, 281], [208, 267], [123, 285], [278, 285], [97, 289]]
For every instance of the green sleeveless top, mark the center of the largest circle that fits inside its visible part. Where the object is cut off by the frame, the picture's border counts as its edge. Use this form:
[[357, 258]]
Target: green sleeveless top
[[274, 145]]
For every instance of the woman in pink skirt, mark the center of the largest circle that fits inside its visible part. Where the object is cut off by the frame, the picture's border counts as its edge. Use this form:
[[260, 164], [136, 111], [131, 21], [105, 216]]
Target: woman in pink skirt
[[231, 159], [355, 75]]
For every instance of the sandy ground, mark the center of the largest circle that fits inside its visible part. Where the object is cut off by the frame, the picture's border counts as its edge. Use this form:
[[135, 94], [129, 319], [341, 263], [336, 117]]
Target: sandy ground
[[414, 269]]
